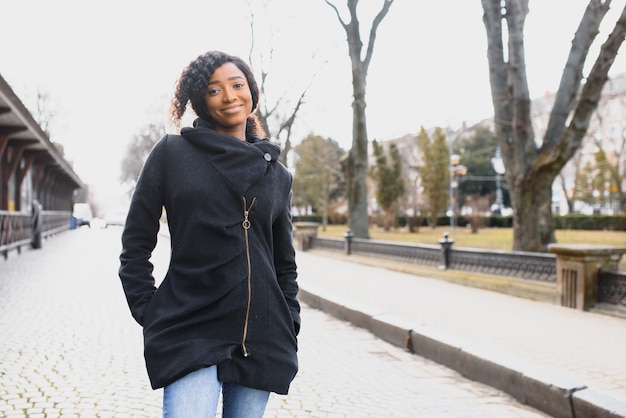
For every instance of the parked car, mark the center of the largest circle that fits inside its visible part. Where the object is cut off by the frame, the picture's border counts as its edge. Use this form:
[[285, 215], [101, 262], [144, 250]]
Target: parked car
[[115, 218], [82, 214]]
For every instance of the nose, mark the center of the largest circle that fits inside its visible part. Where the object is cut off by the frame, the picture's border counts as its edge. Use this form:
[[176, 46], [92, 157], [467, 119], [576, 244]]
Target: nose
[[229, 95]]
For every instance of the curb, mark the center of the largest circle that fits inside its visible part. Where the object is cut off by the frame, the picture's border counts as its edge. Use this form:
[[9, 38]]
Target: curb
[[554, 394]]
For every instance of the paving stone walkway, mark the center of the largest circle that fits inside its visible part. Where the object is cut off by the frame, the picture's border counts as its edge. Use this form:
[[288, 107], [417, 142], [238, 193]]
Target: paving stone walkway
[[69, 348]]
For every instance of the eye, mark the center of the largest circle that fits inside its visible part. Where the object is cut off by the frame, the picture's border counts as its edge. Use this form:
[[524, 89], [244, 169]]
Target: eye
[[239, 85], [213, 91]]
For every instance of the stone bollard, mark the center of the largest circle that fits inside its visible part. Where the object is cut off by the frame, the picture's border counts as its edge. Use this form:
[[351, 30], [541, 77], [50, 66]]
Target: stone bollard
[[446, 248], [577, 268], [304, 232]]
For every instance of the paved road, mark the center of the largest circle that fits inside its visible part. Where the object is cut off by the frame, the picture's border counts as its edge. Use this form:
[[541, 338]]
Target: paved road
[[69, 348]]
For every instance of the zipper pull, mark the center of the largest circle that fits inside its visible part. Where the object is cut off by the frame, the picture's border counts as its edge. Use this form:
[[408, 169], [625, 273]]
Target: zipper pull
[[246, 212], [246, 222]]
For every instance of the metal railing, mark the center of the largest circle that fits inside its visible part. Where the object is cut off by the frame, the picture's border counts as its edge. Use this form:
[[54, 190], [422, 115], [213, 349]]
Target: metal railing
[[523, 265], [519, 264], [17, 229], [612, 288]]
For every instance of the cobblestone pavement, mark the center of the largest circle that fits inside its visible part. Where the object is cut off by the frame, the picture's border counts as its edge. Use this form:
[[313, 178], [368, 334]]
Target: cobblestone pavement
[[70, 348]]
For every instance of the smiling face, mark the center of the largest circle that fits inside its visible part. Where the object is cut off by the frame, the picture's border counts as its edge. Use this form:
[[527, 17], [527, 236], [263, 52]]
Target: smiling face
[[228, 100]]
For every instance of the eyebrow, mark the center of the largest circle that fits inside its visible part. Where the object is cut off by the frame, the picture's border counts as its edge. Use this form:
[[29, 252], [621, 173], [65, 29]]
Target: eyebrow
[[235, 77]]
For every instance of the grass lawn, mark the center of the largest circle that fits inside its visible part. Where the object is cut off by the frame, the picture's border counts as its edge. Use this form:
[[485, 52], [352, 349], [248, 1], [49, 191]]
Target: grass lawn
[[489, 238]]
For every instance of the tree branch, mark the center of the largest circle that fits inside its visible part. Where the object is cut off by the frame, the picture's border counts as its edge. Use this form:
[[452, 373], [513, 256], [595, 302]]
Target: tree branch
[[573, 71], [500, 94], [372, 38], [592, 90], [345, 26], [524, 139]]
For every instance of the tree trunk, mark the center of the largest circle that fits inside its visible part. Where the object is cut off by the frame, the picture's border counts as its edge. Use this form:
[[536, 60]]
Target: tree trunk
[[531, 170], [356, 173], [533, 223], [358, 217]]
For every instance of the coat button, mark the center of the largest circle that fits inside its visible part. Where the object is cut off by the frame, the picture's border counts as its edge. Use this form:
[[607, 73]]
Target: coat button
[[267, 157]]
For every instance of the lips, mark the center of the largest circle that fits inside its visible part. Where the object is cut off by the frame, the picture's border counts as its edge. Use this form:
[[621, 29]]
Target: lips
[[232, 109]]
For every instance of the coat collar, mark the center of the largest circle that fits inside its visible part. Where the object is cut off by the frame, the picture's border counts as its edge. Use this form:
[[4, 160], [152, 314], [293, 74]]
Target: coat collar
[[241, 163]]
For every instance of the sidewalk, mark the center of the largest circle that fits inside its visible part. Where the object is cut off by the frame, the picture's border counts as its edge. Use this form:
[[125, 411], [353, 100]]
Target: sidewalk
[[562, 361], [70, 348]]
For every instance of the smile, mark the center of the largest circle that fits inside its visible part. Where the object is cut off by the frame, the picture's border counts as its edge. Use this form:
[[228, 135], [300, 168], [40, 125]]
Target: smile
[[232, 109]]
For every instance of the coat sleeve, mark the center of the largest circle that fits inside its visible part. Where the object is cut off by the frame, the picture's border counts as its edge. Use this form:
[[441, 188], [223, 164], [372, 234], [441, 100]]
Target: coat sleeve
[[285, 260], [139, 236]]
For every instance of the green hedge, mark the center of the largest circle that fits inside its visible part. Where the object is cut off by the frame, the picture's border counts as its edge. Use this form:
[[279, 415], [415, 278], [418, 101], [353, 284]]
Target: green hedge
[[591, 222], [583, 222], [335, 219]]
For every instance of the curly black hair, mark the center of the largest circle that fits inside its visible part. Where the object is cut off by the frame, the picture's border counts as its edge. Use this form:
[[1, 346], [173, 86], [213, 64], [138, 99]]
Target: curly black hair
[[192, 85]]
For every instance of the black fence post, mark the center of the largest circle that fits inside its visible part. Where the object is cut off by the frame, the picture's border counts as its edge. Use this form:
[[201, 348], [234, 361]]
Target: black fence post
[[348, 245], [36, 222], [446, 247]]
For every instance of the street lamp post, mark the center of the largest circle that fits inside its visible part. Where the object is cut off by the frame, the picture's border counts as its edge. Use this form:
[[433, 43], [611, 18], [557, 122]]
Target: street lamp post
[[451, 198], [456, 169]]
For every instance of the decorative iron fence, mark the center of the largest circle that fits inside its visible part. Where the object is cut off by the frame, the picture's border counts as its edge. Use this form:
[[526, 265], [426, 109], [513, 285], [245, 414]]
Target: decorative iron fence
[[612, 288], [519, 264], [523, 265]]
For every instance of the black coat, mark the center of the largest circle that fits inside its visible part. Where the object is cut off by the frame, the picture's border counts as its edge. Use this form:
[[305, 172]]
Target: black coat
[[228, 290]]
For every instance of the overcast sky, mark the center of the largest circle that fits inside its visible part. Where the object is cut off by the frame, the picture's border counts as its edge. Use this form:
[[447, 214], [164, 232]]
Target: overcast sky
[[109, 67]]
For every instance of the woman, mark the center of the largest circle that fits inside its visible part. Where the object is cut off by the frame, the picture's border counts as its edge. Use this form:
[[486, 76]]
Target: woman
[[225, 318]]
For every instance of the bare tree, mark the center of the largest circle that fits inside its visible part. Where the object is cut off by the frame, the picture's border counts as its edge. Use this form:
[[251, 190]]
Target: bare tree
[[44, 114], [136, 152], [355, 165], [531, 169], [614, 146], [279, 109], [573, 171], [286, 122]]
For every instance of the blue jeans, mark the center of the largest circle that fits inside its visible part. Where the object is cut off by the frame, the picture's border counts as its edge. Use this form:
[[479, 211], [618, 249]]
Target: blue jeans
[[196, 396]]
